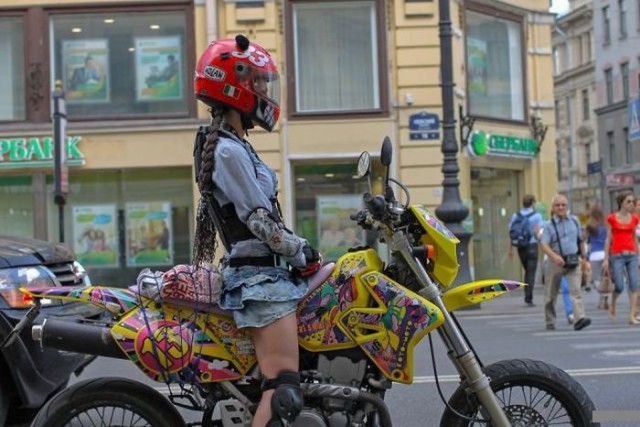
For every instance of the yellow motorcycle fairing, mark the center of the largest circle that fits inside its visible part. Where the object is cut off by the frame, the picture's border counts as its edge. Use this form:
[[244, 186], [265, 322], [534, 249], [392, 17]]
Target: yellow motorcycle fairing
[[360, 306], [477, 292], [445, 265]]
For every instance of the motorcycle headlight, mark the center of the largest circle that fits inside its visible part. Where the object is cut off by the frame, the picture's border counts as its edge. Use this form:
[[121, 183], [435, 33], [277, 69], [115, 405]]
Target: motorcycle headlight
[[12, 279]]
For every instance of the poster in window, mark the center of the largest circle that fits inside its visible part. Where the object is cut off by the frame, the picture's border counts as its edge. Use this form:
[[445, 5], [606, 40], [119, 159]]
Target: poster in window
[[477, 65], [149, 234], [95, 239], [85, 65], [336, 231], [158, 68]]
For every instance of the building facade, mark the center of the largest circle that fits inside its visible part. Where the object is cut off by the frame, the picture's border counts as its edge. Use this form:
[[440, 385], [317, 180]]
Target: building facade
[[352, 72], [579, 165], [617, 28]]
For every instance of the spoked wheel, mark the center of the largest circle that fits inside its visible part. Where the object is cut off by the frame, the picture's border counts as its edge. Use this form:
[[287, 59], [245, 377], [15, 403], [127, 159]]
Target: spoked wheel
[[532, 393], [113, 402]]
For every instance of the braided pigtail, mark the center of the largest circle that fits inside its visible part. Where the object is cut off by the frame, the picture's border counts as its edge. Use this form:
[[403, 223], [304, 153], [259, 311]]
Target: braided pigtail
[[205, 241]]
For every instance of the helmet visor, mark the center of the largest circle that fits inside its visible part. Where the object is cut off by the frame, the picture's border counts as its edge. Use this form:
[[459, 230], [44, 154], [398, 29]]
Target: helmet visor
[[266, 85]]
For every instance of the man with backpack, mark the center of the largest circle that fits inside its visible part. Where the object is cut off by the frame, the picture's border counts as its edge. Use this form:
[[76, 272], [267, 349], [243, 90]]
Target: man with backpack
[[523, 229]]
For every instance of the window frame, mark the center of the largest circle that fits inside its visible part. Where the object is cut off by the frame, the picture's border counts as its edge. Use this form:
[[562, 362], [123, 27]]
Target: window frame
[[608, 83], [622, 17], [585, 105], [606, 24], [624, 81], [382, 59], [494, 12], [38, 67]]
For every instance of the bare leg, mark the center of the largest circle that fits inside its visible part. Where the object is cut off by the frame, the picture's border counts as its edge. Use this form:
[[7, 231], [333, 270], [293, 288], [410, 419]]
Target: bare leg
[[633, 302], [612, 307], [277, 350]]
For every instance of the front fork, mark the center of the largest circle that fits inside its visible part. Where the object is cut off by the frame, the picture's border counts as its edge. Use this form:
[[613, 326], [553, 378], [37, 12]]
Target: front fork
[[459, 351], [469, 369]]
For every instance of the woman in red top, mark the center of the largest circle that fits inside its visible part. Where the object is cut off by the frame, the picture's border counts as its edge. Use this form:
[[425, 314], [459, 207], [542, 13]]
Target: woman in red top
[[621, 248]]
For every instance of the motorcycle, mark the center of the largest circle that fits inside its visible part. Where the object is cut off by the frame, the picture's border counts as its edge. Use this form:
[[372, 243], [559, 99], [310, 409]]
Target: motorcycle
[[358, 326]]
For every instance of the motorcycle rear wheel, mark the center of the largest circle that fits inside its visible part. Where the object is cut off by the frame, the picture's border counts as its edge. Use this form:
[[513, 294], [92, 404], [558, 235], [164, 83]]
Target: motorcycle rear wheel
[[531, 392], [108, 401]]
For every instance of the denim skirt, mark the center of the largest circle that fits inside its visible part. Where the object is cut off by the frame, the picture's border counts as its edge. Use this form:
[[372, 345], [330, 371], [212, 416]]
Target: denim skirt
[[259, 296]]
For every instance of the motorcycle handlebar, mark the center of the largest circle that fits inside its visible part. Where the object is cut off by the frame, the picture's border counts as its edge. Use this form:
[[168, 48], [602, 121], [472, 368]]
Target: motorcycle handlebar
[[376, 204]]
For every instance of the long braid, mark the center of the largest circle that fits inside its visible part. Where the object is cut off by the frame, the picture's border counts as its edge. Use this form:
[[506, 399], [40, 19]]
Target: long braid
[[206, 242]]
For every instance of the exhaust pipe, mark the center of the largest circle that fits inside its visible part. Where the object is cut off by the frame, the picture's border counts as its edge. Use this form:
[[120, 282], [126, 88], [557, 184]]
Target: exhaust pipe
[[77, 337]]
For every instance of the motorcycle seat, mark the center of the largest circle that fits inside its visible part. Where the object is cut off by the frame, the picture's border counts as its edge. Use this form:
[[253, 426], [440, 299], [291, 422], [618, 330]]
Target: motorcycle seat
[[314, 281], [320, 276]]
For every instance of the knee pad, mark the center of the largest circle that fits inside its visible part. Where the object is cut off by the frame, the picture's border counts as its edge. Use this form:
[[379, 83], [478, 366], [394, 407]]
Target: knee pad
[[287, 399]]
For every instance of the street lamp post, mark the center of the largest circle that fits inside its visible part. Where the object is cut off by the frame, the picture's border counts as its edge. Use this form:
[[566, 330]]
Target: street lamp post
[[452, 211]]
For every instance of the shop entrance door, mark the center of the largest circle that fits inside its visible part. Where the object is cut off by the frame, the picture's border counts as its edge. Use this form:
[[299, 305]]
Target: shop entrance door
[[495, 198]]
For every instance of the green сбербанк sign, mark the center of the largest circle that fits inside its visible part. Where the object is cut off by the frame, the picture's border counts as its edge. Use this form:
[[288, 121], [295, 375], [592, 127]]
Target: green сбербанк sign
[[37, 152], [482, 144]]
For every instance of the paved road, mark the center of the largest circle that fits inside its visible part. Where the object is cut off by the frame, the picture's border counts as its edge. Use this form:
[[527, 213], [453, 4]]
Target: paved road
[[604, 358]]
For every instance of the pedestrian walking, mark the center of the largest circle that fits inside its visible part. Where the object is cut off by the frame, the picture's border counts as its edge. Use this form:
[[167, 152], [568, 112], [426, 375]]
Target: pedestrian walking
[[561, 242], [524, 226], [621, 251], [596, 236]]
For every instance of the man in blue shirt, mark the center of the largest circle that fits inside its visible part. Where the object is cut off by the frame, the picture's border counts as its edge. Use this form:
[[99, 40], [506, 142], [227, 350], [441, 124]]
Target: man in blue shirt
[[529, 254]]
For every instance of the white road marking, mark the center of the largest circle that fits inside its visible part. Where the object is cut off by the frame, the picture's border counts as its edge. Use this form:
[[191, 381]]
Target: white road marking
[[590, 372]]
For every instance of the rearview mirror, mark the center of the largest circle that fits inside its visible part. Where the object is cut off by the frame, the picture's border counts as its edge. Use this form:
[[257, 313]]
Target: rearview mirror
[[386, 152], [364, 165]]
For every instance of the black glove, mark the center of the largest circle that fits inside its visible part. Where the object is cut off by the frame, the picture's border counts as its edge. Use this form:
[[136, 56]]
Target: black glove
[[312, 258]]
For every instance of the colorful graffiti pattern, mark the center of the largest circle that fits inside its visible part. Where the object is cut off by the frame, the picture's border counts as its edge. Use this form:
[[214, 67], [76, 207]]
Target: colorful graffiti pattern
[[115, 300], [174, 344], [317, 322], [503, 286], [389, 331]]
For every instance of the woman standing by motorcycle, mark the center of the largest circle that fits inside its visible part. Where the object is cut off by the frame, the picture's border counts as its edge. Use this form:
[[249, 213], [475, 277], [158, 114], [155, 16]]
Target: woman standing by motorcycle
[[239, 81]]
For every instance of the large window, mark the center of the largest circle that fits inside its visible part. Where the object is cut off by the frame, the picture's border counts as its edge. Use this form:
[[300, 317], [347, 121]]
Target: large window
[[612, 148], [125, 62], [585, 104], [606, 24], [336, 57], [622, 8], [624, 75], [12, 107], [325, 196], [608, 81], [121, 64], [494, 66]]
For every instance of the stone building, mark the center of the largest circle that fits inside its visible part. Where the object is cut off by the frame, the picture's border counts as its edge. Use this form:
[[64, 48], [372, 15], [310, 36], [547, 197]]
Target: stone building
[[352, 72], [578, 156]]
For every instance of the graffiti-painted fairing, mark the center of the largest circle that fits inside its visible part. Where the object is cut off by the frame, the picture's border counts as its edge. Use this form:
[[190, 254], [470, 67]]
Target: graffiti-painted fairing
[[115, 300], [445, 267], [361, 306], [175, 344], [477, 292]]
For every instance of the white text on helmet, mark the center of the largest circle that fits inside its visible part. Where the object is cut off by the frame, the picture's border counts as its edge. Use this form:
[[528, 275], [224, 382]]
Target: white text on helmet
[[256, 57]]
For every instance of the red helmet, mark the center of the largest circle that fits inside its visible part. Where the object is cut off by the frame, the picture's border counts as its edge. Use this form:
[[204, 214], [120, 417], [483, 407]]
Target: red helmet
[[240, 75]]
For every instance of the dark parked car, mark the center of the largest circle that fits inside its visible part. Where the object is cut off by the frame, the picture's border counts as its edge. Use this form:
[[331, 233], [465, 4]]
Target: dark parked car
[[29, 374]]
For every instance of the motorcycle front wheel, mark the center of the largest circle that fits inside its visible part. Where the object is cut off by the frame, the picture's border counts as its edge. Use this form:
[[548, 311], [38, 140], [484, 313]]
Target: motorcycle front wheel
[[108, 402], [531, 392]]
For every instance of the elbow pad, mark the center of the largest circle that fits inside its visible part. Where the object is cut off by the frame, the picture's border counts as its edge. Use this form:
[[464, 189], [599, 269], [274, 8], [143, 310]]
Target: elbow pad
[[266, 228]]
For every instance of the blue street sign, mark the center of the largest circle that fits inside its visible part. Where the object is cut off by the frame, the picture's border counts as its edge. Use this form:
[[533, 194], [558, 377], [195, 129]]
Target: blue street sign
[[424, 121], [633, 112], [414, 136]]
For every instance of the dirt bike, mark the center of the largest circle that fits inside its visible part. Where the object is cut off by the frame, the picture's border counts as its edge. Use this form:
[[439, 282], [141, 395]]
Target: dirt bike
[[358, 326]]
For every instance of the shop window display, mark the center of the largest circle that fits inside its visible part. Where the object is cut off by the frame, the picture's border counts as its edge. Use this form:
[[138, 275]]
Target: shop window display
[[325, 196], [121, 64], [119, 222], [12, 72]]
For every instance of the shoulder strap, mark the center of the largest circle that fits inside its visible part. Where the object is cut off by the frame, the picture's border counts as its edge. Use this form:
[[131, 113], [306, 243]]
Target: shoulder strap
[[557, 234]]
